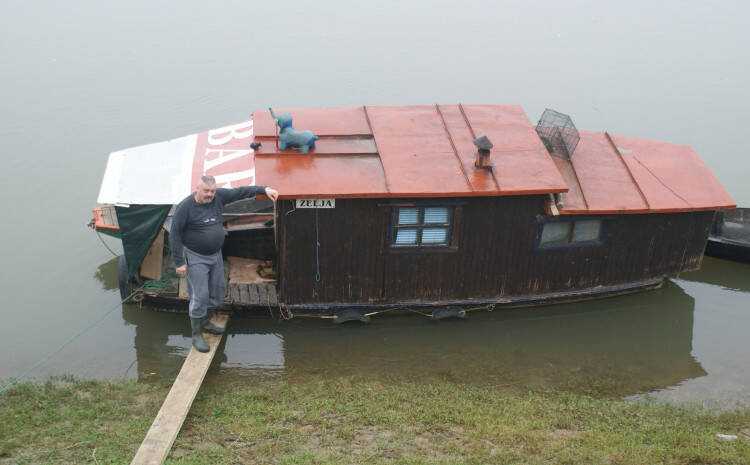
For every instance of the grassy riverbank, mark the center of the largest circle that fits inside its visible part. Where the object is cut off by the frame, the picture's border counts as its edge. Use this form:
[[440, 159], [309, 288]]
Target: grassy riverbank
[[348, 420]]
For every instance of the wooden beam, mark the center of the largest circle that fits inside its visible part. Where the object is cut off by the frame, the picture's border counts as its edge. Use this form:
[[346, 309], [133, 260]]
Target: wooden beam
[[168, 421], [244, 293], [234, 292], [182, 291], [152, 264], [253, 291], [273, 299]]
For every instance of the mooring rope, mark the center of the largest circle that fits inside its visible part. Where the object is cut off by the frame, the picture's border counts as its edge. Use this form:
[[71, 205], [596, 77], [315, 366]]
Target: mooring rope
[[48, 357], [317, 249], [105, 244]]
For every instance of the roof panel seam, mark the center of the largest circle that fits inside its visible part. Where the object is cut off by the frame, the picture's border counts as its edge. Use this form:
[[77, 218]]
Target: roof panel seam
[[375, 141], [580, 186], [627, 168], [662, 182], [453, 145], [474, 137]]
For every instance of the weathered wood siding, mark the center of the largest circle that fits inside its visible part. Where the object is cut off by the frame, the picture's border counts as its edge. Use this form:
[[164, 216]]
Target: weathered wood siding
[[497, 253], [253, 243]]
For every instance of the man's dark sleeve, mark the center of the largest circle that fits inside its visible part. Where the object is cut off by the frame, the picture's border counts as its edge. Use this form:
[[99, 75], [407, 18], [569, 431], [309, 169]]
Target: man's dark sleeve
[[238, 193], [175, 235]]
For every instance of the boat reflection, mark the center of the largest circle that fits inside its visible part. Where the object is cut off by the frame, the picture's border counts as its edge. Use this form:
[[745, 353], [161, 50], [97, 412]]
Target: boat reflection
[[724, 273], [618, 346], [106, 274]]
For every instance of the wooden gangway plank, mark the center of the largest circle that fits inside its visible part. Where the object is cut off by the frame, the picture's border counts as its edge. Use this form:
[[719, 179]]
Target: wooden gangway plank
[[169, 420]]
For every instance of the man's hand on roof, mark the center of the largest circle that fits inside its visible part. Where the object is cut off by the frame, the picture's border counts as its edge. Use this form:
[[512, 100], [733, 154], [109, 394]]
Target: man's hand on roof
[[181, 270], [272, 194]]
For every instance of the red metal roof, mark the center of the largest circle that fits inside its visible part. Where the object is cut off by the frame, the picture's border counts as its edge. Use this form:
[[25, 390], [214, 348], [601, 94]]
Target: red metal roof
[[617, 174], [423, 151], [428, 151]]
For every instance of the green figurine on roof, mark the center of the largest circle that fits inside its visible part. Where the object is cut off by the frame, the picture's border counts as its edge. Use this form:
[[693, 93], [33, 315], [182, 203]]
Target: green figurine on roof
[[290, 137]]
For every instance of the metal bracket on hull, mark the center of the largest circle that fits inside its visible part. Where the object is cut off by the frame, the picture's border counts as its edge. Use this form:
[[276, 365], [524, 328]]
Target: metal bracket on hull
[[443, 313], [350, 315]]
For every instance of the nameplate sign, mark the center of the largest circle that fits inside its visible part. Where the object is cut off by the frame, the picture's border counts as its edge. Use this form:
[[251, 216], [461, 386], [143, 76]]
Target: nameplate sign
[[316, 203]]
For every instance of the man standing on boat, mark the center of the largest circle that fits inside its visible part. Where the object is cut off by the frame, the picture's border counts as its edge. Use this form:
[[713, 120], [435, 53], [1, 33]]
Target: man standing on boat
[[196, 238]]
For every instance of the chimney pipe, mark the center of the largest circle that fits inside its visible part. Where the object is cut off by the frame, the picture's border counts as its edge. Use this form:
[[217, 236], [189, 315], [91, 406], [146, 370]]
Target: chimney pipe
[[482, 160]]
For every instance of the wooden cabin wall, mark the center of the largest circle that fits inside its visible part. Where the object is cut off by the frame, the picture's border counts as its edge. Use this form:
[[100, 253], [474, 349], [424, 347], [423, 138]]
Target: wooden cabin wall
[[497, 253], [351, 265], [251, 243]]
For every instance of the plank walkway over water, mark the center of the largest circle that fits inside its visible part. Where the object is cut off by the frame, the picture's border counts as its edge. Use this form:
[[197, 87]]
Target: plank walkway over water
[[252, 294], [168, 421]]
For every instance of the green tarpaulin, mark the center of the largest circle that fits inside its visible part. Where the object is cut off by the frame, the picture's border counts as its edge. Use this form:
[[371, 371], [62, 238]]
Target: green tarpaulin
[[139, 225]]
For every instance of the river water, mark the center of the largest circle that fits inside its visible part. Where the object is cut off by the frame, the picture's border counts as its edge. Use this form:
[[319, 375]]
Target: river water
[[81, 79]]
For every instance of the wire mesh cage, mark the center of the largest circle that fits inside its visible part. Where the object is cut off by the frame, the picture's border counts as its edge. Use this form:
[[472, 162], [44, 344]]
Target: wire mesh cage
[[558, 133]]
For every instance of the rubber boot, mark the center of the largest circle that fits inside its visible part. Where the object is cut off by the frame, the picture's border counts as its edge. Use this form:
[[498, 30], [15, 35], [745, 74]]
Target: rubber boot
[[209, 327], [199, 343]]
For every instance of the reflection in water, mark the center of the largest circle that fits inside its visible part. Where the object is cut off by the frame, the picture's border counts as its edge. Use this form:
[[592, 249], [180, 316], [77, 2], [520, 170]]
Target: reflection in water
[[106, 274], [617, 346], [724, 273]]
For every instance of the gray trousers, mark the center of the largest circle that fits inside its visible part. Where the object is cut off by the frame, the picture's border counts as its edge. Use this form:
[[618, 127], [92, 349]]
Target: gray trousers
[[205, 279]]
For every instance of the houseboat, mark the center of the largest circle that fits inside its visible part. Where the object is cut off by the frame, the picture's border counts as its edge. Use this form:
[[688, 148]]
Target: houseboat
[[431, 207], [730, 236]]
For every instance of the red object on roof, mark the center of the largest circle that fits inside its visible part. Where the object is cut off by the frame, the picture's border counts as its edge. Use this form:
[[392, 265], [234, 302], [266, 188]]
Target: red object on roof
[[428, 151]]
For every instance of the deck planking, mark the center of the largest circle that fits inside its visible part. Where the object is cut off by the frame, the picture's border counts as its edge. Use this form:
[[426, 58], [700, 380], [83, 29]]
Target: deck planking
[[244, 294], [273, 299]]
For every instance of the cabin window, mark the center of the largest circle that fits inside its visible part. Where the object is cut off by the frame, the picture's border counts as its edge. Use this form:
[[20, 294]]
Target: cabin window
[[562, 233], [586, 230], [422, 227]]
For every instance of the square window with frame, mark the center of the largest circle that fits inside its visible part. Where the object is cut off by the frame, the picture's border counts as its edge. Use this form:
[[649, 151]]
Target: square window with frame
[[570, 233], [422, 227]]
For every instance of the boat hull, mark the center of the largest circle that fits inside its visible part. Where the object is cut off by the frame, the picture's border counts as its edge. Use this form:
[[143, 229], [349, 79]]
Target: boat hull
[[728, 250], [175, 304]]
